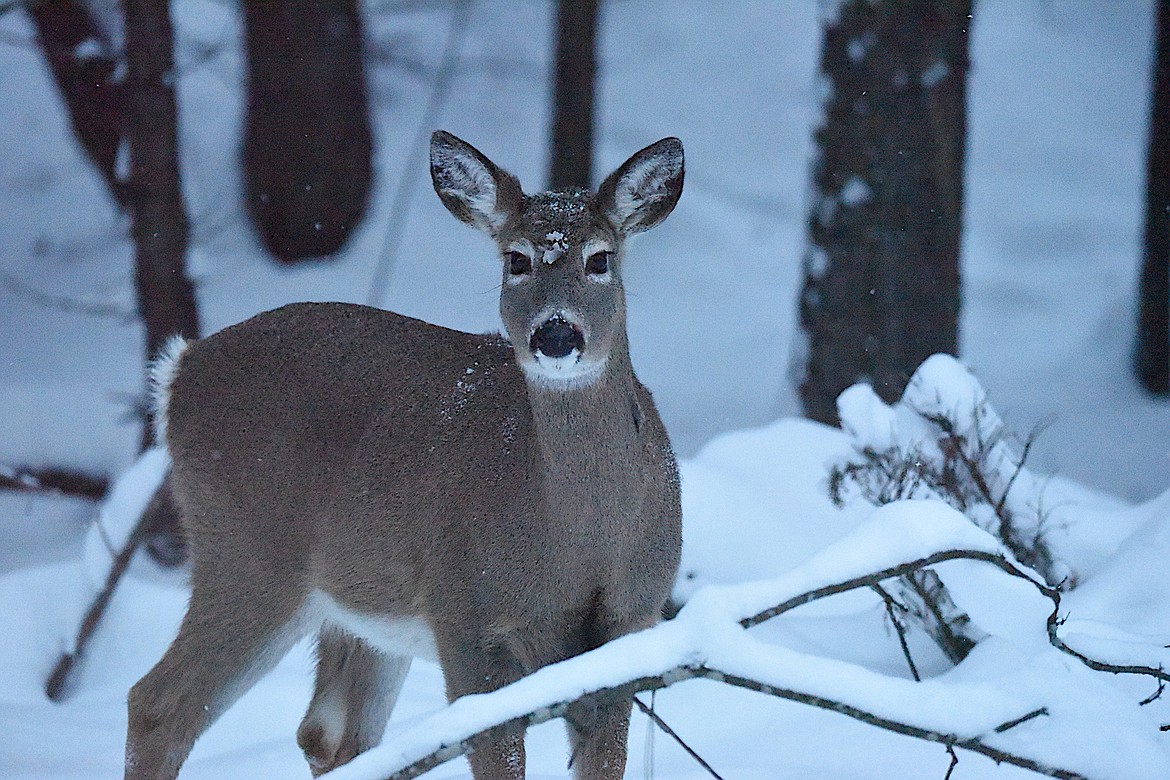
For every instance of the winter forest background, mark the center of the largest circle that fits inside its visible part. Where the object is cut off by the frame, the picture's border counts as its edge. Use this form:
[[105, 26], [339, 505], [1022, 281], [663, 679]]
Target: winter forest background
[[1057, 156]]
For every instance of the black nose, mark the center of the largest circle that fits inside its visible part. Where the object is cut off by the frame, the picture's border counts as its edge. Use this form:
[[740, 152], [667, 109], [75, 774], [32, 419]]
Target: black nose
[[557, 338]]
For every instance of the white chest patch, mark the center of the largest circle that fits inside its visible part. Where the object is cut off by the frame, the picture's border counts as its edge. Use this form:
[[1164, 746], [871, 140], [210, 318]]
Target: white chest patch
[[391, 634]]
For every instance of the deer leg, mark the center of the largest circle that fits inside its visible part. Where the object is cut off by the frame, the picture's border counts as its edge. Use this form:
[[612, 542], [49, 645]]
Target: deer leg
[[597, 736], [230, 638], [479, 666], [355, 691], [599, 733]]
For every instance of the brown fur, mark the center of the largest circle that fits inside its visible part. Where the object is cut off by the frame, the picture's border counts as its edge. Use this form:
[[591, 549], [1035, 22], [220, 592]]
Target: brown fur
[[410, 471]]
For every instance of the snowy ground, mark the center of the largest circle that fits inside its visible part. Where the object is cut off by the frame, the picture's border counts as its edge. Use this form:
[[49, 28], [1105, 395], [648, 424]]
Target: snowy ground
[[1058, 110]]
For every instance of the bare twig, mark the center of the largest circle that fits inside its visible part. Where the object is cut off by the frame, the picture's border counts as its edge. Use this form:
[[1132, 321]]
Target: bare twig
[[1037, 555], [892, 607], [950, 627], [954, 762], [875, 578], [56, 481], [404, 193], [1011, 724], [57, 685], [997, 560], [64, 303], [1157, 694], [668, 731]]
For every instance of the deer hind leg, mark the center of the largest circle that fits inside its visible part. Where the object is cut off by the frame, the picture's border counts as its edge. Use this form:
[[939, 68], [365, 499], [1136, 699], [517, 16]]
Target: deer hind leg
[[230, 637], [355, 691]]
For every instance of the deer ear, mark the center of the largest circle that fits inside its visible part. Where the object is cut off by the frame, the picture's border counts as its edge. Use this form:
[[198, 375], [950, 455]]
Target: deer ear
[[643, 191], [470, 185]]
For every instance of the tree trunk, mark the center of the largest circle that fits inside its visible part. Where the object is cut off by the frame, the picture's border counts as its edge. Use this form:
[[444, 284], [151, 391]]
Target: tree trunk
[[573, 87], [1152, 355], [881, 286], [83, 64], [307, 143], [166, 297]]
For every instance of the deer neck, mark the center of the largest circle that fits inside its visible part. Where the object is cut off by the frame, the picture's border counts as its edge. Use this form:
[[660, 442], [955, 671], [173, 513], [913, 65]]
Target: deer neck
[[589, 439]]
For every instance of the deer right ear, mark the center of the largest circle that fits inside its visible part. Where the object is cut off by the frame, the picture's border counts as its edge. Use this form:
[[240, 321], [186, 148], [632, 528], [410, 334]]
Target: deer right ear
[[470, 185]]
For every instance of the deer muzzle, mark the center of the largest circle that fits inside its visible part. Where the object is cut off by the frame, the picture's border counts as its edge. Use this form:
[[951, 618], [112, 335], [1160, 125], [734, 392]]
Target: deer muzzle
[[557, 338]]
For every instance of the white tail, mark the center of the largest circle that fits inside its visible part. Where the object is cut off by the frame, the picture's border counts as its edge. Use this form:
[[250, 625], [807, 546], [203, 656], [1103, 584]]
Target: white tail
[[403, 489]]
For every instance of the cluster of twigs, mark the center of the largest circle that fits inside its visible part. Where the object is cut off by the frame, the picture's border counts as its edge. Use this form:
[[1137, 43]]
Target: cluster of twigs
[[961, 467]]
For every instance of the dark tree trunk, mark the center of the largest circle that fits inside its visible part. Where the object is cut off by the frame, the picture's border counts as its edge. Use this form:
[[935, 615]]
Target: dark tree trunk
[[573, 87], [881, 287], [1153, 333], [307, 143], [83, 64], [166, 298]]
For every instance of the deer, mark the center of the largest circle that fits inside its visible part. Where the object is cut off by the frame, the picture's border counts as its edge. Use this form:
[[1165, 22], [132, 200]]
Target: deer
[[496, 503]]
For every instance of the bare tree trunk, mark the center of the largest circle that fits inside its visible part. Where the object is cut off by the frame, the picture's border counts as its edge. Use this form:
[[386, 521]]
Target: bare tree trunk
[[573, 89], [881, 287], [1152, 356], [307, 144], [83, 63], [166, 297]]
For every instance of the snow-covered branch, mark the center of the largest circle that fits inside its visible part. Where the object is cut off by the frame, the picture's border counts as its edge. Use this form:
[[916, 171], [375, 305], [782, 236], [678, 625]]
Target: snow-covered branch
[[711, 639]]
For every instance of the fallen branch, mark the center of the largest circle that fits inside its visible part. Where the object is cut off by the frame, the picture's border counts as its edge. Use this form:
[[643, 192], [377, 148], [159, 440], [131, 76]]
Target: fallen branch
[[156, 513], [717, 649], [55, 481], [603, 696]]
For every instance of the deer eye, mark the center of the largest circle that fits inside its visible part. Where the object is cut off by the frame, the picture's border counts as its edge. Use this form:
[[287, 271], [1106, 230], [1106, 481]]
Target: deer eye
[[597, 263], [518, 263]]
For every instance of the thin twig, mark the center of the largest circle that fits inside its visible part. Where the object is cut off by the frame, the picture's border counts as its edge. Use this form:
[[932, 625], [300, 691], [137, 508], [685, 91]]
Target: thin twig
[[64, 303], [875, 578], [404, 193], [660, 723], [954, 762], [995, 559], [1011, 724], [57, 685], [899, 629], [1157, 694], [974, 744]]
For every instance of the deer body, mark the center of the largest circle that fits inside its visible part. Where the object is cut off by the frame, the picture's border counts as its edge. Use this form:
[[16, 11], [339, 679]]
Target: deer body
[[404, 489]]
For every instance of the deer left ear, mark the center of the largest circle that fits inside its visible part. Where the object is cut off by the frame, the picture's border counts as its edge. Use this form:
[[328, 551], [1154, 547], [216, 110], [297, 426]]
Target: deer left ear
[[643, 191]]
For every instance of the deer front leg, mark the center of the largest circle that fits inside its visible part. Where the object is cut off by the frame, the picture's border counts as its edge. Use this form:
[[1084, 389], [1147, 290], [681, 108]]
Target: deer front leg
[[354, 693], [597, 737], [479, 665], [599, 733]]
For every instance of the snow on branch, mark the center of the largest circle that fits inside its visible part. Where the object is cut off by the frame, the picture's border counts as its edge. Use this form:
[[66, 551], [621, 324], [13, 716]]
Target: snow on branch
[[1044, 715]]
